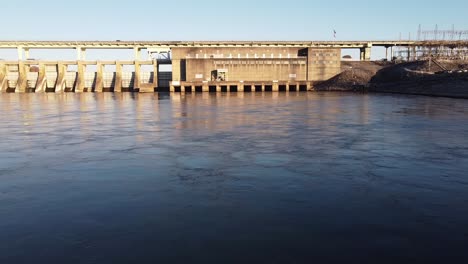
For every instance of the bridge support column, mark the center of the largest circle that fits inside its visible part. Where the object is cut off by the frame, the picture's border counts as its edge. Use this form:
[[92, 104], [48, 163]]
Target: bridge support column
[[80, 53], [99, 78], [3, 77], [41, 79], [80, 78], [137, 80], [366, 54], [137, 54], [22, 78], [20, 53], [118, 77], [155, 74], [26, 53], [61, 77], [413, 55]]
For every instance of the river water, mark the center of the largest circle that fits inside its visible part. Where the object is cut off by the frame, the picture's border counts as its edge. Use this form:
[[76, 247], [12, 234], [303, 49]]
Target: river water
[[233, 178]]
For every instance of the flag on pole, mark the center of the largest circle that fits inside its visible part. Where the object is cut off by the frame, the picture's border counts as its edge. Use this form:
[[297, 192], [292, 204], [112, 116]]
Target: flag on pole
[[334, 33]]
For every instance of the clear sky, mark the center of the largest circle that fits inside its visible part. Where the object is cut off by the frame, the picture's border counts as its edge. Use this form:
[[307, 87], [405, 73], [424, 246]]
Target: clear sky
[[225, 20]]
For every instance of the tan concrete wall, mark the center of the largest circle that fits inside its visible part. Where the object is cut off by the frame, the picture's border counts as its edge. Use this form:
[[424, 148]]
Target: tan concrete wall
[[256, 64], [241, 52], [247, 69], [323, 63]]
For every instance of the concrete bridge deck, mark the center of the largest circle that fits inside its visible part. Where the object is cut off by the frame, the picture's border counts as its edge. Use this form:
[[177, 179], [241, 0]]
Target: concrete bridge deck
[[365, 46], [169, 44]]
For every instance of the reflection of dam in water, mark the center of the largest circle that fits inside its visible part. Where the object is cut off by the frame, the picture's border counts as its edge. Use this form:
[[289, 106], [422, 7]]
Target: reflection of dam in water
[[169, 177]]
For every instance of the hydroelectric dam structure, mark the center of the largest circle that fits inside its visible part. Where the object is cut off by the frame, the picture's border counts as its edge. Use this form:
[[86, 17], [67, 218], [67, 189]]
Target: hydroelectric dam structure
[[197, 66]]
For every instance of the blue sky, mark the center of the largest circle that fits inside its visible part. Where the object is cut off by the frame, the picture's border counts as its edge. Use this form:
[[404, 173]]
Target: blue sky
[[225, 20]]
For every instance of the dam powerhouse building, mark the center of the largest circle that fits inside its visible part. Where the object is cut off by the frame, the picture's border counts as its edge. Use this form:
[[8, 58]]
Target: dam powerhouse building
[[255, 68]]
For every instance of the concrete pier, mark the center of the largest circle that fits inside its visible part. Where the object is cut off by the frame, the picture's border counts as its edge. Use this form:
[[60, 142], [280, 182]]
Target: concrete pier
[[118, 77], [60, 84], [41, 79], [56, 76], [226, 87], [3, 77], [22, 80]]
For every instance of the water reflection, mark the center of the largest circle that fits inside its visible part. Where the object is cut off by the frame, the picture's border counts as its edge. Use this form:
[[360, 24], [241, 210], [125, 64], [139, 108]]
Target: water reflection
[[232, 177]]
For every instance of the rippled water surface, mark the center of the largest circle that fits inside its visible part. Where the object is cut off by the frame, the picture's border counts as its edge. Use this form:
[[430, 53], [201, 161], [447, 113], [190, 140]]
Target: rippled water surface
[[233, 178]]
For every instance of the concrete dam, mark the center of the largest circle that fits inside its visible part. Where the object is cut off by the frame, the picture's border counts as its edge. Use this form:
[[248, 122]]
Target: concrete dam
[[196, 66]]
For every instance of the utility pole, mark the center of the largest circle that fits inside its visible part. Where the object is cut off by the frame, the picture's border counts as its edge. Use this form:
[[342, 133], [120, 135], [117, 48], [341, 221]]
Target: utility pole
[[419, 32]]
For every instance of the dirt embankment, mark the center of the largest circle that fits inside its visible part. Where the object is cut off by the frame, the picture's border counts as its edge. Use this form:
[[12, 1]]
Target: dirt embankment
[[440, 78], [354, 76]]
